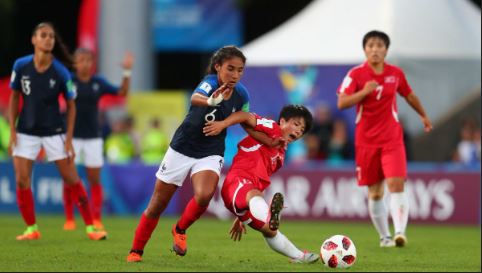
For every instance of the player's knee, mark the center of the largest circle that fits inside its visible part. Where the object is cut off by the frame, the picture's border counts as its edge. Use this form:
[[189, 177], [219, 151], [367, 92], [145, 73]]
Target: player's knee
[[23, 182], [267, 232], [203, 199]]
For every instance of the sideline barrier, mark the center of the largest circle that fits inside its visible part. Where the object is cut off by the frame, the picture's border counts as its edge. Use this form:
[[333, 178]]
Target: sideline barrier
[[436, 195]]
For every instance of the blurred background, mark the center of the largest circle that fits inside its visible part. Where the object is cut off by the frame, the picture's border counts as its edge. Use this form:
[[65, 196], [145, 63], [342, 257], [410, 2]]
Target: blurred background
[[297, 52]]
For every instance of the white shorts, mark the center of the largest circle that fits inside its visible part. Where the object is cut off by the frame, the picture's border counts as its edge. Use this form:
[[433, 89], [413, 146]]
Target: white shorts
[[89, 152], [28, 146], [176, 166]]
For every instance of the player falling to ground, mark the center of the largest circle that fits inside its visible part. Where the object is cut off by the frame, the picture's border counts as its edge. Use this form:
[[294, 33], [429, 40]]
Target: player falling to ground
[[379, 146], [191, 152], [40, 78], [88, 143], [250, 173]]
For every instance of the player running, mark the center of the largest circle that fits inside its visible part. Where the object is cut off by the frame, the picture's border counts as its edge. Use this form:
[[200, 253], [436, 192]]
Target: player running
[[250, 173], [379, 146], [40, 79], [88, 143]]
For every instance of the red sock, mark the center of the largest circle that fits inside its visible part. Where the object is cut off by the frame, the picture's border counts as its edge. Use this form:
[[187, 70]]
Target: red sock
[[26, 205], [143, 232], [96, 199], [68, 203], [191, 213], [82, 202]]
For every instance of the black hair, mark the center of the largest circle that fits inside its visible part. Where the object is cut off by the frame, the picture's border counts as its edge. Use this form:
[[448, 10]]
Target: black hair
[[297, 110], [222, 54], [376, 34], [60, 50]]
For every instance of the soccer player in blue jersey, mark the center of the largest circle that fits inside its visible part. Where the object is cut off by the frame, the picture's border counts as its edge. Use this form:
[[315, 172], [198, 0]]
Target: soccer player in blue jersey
[[40, 78], [191, 152], [88, 144]]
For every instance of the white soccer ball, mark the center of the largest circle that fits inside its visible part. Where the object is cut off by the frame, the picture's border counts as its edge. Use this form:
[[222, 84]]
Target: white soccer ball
[[338, 251]]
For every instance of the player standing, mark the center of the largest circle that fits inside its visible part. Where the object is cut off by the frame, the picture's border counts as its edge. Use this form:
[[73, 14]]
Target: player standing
[[40, 78], [191, 152], [250, 173], [88, 143], [379, 146]]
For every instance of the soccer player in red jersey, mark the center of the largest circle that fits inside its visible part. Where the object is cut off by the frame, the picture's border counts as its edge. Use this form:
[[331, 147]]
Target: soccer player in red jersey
[[249, 176], [379, 147]]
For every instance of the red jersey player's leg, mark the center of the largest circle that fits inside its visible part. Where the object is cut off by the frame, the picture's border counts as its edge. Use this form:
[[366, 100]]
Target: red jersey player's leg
[[395, 168], [370, 173]]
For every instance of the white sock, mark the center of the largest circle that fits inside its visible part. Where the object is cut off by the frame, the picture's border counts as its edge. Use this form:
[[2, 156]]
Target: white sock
[[399, 211], [379, 216], [281, 244], [259, 208]]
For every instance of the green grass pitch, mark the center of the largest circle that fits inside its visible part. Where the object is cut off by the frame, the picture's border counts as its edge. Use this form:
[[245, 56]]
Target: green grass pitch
[[430, 247]]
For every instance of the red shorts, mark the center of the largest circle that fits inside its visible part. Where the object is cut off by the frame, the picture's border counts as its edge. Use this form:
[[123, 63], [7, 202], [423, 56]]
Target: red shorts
[[375, 164], [234, 193]]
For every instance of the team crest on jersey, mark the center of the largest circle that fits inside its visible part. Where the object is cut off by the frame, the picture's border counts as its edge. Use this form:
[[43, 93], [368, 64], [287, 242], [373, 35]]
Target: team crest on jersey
[[52, 83], [390, 79]]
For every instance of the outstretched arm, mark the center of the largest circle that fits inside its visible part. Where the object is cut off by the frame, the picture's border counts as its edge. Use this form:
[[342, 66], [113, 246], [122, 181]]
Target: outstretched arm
[[213, 128], [415, 103], [126, 79]]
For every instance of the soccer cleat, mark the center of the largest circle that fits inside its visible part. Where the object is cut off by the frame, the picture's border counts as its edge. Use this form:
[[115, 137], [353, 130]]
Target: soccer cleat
[[98, 225], [179, 245], [307, 258], [29, 235], [134, 257], [94, 234], [400, 240], [387, 242], [69, 225], [275, 211]]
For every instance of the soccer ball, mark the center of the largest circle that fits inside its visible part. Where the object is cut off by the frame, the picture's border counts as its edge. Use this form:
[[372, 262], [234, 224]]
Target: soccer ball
[[338, 251]]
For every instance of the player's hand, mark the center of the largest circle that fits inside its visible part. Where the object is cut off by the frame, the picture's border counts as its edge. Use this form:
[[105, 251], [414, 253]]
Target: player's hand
[[370, 86], [128, 61], [69, 149], [217, 96], [237, 230], [213, 128], [12, 142], [427, 124]]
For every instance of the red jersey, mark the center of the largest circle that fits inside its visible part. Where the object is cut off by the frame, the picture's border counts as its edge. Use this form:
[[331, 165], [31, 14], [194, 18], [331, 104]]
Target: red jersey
[[255, 160], [377, 117]]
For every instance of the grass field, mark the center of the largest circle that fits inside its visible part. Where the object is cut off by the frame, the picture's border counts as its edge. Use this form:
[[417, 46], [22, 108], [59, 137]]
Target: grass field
[[430, 248]]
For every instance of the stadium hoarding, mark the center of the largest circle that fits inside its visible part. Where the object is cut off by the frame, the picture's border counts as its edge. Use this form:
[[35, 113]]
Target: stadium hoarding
[[435, 196]]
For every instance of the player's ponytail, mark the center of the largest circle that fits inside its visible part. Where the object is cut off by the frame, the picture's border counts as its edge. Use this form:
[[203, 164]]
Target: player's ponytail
[[222, 54], [60, 50]]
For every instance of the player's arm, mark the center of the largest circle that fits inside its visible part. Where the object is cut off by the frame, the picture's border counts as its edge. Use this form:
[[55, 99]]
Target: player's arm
[[199, 99], [71, 112], [415, 103], [12, 118], [346, 101], [127, 64], [214, 128]]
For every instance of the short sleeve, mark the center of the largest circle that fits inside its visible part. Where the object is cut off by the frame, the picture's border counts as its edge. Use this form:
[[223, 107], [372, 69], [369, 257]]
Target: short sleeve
[[403, 87], [267, 126], [205, 88], [67, 85], [15, 77], [348, 86], [245, 97], [107, 87]]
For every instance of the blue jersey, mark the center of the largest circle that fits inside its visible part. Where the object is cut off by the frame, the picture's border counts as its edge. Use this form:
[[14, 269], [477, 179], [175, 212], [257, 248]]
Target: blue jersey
[[40, 115], [189, 138], [88, 96]]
